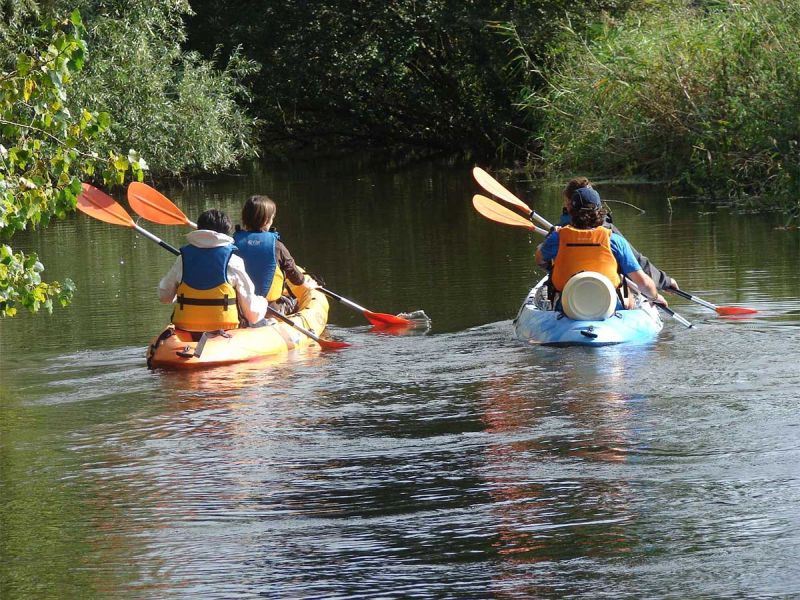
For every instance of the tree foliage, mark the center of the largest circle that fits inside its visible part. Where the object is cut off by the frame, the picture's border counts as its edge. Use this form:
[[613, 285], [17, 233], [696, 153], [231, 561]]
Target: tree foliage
[[431, 74], [46, 149], [72, 95], [704, 94], [185, 116]]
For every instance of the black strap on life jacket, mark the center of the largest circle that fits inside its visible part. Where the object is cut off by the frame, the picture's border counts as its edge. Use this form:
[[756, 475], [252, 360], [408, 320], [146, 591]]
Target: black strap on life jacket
[[225, 301]]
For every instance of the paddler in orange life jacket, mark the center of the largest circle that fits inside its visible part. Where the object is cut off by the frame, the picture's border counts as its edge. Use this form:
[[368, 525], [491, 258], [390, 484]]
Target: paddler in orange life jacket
[[586, 245], [662, 280], [266, 258], [208, 282]]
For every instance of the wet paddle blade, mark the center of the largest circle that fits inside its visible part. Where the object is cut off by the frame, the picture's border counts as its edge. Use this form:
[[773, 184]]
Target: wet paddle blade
[[499, 213], [734, 310], [491, 185], [99, 205], [152, 205], [386, 320], [332, 344]]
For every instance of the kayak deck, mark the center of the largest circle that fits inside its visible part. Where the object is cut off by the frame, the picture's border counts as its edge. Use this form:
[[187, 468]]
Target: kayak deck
[[176, 349], [537, 323]]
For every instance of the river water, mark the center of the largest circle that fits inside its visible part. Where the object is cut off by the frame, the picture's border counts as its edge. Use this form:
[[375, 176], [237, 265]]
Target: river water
[[456, 462]]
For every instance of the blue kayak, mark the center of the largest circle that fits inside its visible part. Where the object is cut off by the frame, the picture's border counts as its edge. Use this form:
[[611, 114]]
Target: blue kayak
[[538, 324]]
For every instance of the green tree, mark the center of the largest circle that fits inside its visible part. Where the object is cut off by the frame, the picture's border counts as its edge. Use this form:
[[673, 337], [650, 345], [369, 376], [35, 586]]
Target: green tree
[[427, 74], [46, 148], [185, 116]]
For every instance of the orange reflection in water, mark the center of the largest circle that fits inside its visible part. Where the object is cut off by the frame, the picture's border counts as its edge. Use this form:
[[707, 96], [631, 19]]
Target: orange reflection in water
[[557, 494]]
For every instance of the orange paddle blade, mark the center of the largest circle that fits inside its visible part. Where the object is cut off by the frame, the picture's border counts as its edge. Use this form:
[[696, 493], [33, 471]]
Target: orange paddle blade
[[491, 185], [499, 213], [102, 207], [152, 205]]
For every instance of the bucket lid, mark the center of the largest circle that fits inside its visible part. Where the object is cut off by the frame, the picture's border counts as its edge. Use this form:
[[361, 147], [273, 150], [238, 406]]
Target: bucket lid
[[588, 296]]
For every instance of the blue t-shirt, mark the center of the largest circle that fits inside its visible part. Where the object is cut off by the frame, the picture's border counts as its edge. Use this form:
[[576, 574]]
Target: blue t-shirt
[[620, 248]]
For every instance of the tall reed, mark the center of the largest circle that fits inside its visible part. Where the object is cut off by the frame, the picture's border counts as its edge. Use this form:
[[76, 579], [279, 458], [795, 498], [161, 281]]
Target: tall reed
[[708, 97]]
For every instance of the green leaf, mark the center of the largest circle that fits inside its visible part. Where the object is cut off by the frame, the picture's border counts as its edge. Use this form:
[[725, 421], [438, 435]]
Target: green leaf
[[75, 18]]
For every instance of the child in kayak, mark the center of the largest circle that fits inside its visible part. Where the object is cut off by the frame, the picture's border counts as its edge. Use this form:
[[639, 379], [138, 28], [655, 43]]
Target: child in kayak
[[267, 260], [208, 283], [662, 280], [585, 244]]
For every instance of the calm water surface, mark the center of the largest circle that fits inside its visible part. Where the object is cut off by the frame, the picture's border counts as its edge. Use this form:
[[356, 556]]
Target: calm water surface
[[454, 463]]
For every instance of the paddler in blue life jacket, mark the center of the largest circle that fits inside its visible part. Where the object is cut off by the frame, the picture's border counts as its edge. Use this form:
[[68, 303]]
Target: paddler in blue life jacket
[[208, 282], [586, 245], [266, 259], [662, 280]]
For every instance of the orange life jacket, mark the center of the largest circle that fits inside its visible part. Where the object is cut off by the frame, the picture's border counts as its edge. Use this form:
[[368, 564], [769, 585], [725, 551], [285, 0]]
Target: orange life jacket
[[584, 250]]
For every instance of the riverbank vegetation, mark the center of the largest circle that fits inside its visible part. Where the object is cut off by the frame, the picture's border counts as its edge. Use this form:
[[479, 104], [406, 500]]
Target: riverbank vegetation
[[704, 95], [697, 93], [424, 76], [103, 92]]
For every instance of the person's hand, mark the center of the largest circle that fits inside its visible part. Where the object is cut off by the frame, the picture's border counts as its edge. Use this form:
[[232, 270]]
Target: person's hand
[[673, 284], [660, 300], [310, 283]]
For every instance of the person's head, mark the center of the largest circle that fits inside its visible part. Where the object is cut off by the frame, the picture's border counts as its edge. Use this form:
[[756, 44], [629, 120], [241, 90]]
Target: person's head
[[258, 213], [572, 185], [586, 209], [214, 220]]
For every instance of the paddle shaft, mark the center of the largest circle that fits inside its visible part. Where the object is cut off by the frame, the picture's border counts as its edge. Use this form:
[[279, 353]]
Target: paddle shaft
[[342, 299], [156, 239], [663, 307], [688, 296]]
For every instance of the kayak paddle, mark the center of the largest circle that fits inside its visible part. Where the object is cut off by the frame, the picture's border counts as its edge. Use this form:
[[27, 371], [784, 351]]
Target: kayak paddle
[[663, 307], [490, 184], [101, 206], [720, 310], [154, 206], [500, 214]]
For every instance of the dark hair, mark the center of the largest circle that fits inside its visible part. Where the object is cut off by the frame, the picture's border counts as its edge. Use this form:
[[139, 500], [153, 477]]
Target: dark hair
[[587, 218], [214, 220], [257, 212], [574, 184]]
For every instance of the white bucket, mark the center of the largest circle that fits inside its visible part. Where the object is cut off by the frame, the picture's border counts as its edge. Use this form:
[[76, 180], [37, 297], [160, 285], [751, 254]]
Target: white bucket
[[588, 296]]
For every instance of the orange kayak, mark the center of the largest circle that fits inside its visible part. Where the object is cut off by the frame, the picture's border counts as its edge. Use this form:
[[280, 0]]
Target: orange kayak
[[178, 349]]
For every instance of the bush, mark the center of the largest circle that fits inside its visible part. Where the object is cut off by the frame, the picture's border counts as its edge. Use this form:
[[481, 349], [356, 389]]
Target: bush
[[180, 112], [707, 97]]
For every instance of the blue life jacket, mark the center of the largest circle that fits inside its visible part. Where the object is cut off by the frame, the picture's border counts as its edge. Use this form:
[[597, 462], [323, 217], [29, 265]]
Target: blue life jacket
[[257, 249]]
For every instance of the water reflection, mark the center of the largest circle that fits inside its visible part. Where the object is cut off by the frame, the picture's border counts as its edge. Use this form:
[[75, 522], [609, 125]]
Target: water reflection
[[459, 463], [550, 505]]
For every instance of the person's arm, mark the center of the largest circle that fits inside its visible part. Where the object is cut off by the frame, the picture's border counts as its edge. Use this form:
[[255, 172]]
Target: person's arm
[[661, 279], [253, 306], [287, 264], [647, 286], [169, 284], [631, 268], [547, 250], [290, 269]]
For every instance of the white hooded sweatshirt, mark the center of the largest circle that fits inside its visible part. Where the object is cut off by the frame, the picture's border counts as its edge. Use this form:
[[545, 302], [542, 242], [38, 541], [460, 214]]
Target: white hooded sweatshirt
[[253, 306]]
